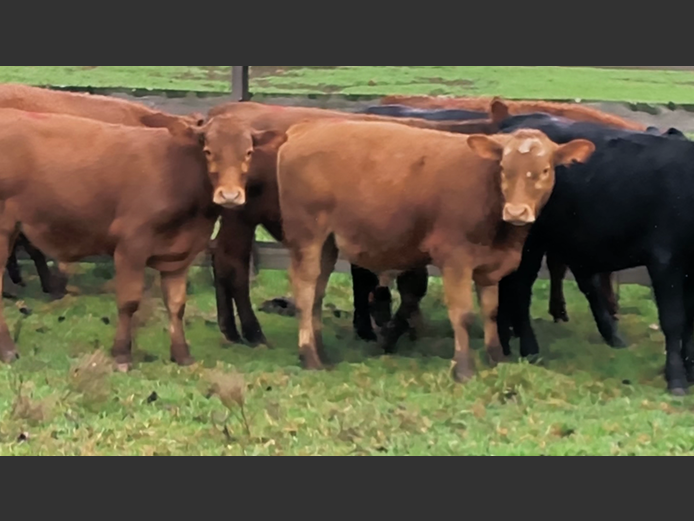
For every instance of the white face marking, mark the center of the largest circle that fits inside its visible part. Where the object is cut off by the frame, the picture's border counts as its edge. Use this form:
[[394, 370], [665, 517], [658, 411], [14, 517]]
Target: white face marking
[[527, 145], [529, 174]]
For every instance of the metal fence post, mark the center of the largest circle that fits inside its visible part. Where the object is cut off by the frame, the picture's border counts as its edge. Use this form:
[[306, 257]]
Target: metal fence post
[[240, 83]]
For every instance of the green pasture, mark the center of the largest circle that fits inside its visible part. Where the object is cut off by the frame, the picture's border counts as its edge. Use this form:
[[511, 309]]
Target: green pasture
[[648, 86], [583, 399]]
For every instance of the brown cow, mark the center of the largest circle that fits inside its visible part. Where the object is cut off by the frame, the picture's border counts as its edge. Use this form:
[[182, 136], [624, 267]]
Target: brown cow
[[100, 108], [461, 203], [558, 270], [567, 110], [80, 187], [227, 149]]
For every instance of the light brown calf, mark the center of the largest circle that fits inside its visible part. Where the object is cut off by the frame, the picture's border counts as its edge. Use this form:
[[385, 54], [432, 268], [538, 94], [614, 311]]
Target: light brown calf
[[80, 188], [461, 203]]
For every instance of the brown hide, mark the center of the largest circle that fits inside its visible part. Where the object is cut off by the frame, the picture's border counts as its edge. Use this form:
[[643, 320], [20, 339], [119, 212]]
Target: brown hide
[[446, 198], [81, 187], [228, 145]]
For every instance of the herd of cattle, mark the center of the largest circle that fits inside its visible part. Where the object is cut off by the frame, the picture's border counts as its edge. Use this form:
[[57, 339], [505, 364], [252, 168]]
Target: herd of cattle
[[483, 189]]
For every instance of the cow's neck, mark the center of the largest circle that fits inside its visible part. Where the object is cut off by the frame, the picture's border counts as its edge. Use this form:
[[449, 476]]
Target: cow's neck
[[512, 237]]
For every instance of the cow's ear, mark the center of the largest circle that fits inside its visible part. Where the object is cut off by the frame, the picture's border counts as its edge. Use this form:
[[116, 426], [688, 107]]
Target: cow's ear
[[499, 110], [486, 147], [197, 119], [578, 150], [177, 126], [274, 138]]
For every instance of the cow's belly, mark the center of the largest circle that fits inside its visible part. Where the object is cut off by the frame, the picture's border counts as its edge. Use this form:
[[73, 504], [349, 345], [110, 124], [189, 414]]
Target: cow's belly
[[68, 243], [177, 252], [379, 257]]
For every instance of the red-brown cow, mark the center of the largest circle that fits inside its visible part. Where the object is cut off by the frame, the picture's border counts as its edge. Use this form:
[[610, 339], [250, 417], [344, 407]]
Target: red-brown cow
[[101, 108], [229, 141], [80, 187], [557, 269], [461, 203]]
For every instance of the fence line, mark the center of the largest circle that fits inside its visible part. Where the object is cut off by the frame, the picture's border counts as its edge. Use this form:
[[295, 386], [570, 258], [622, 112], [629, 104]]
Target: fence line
[[274, 257]]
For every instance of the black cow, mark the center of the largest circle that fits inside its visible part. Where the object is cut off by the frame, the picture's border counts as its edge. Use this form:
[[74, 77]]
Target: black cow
[[54, 285], [402, 111], [630, 205]]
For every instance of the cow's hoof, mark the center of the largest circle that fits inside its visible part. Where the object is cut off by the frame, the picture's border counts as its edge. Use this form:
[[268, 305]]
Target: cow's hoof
[[254, 337], [533, 359], [617, 342], [496, 356], [311, 362], [367, 335], [8, 357], [233, 338], [123, 368], [679, 392], [186, 361], [463, 372]]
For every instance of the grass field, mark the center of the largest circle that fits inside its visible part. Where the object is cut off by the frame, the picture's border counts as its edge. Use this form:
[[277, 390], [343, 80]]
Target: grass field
[[584, 399], [653, 86]]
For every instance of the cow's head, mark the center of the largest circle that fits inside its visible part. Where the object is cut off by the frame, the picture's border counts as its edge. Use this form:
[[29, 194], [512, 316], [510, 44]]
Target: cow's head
[[528, 159], [229, 145]]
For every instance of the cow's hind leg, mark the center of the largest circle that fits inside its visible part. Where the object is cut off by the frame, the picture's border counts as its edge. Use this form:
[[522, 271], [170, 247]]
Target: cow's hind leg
[[13, 269], [457, 281], [489, 304], [557, 301], [413, 286], [8, 236], [226, 317], [364, 283], [174, 288], [305, 272], [607, 284], [54, 285], [232, 278], [668, 285], [130, 276], [591, 288], [328, 262], [688, 339]]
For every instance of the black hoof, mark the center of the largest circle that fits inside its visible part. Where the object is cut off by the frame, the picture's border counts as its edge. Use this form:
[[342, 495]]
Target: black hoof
[[255, 339], [533, 359], [231, 335], [367, 336], [679, 392], [617, 342]]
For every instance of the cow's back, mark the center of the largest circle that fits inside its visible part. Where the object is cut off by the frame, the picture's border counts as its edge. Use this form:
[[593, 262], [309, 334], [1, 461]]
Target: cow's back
[[85, 175], [389, 186], [102, 108]]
